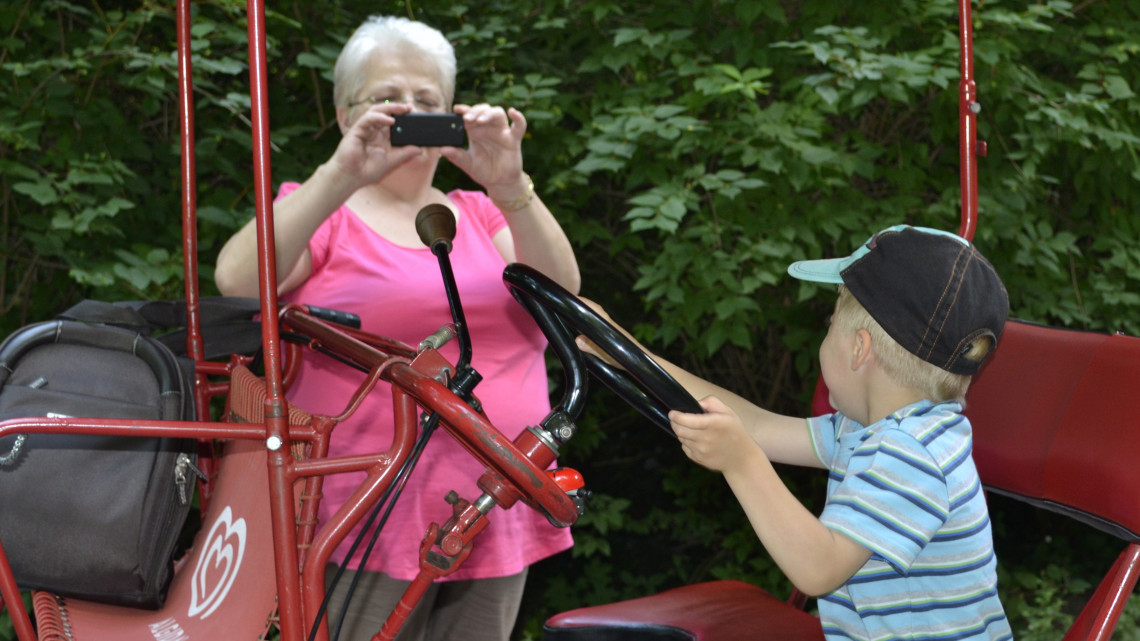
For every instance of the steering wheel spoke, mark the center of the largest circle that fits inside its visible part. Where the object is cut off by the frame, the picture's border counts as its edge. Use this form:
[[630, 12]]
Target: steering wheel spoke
[[561, 316]]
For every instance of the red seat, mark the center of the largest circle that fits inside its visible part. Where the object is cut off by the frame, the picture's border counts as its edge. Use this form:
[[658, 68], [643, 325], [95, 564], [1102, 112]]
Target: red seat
[[1056, 418], [717, 610]]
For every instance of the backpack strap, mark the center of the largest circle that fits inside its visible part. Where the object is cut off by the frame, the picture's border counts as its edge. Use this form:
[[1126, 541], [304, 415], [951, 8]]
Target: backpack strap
[[97, 311], [228, 322]]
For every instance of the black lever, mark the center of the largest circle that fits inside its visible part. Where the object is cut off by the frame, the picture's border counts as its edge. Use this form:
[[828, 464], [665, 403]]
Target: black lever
[[436, 226]]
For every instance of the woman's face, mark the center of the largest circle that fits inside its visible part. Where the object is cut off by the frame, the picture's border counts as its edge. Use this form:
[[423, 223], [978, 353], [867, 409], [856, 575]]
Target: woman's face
[[404, 75]]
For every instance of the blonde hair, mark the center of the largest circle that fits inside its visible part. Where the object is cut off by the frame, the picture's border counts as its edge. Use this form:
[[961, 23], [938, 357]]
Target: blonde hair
[[901, 366]]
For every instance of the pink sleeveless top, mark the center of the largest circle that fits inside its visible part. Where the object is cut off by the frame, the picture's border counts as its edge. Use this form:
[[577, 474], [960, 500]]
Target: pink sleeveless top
[[398, 292]]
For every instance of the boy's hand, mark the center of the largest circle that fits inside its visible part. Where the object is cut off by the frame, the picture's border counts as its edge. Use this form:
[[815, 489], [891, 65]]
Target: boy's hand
[[588, 346], [716, 439]]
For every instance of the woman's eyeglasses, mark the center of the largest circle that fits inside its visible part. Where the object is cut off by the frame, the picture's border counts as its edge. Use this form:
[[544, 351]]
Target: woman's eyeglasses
[[420, 103]]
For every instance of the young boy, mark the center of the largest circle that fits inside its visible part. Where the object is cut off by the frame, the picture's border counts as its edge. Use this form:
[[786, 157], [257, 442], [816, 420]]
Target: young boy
[[903, 548]]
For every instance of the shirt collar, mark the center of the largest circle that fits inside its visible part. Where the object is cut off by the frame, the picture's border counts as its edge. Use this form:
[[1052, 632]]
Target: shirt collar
[[924, 407]]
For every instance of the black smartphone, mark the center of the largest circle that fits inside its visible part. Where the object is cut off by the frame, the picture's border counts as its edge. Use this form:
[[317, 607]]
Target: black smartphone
[[428, 130]]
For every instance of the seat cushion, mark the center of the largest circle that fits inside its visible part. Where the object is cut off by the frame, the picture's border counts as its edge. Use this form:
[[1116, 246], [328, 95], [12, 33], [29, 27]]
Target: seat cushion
[[712, 611]]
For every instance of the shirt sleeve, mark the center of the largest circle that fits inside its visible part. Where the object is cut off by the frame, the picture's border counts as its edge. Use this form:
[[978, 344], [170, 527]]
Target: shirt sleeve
[[319, 242], [482, 211], [823, 431], [892, 500]]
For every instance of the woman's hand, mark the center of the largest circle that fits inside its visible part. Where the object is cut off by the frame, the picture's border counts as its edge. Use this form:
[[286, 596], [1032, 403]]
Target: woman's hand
[[493, 157], [365, 153]]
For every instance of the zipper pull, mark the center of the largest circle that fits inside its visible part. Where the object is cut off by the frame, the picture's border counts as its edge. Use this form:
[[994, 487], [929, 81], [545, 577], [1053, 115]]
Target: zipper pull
[[183, 465]]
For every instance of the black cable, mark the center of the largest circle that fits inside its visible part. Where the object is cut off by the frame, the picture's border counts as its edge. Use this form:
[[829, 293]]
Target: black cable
[[463, 386], [392, 494], [429, 428]]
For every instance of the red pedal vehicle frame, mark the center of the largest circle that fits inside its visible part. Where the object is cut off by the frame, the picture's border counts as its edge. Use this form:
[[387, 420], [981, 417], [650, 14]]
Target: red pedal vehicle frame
[[258, 562]]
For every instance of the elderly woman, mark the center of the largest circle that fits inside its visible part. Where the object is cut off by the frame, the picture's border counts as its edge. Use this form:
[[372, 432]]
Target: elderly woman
[[346, 239]]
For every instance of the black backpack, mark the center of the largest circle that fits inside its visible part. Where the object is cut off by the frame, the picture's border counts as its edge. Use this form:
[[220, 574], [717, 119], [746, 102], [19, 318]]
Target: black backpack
[[94, 517]]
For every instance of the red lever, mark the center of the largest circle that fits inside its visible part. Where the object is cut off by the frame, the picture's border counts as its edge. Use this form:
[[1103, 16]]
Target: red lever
[[569, 479]]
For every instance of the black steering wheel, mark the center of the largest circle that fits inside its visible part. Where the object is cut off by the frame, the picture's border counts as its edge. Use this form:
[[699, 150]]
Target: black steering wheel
[[562, 317]]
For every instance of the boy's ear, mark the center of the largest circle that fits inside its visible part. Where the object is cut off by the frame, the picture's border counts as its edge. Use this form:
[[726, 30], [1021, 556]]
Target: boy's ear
[[862, 349]]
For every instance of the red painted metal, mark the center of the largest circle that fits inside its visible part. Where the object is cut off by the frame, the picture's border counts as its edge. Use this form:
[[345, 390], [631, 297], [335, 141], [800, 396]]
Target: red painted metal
[[203, 390], [474, 431], [432, 566], [11, 593], [486, 443], [381, 473], [322, 336], [1098, 619], [276, 428], [710, 611], [967, 123], [130, 427], [194, 347]]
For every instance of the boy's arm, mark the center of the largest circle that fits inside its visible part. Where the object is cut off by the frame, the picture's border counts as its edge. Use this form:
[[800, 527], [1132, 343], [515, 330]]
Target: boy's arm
[[815, 558], [785, 439]]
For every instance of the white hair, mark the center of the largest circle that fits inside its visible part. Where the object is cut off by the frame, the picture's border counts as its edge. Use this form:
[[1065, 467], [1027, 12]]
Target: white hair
[[380, 34]]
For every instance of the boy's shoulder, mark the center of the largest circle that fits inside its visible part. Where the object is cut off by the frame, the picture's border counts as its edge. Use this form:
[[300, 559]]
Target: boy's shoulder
[[926, 432], [920, 417], [938, 429]]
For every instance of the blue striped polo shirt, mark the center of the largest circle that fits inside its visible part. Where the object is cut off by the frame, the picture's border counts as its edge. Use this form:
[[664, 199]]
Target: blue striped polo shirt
[[906, 488]]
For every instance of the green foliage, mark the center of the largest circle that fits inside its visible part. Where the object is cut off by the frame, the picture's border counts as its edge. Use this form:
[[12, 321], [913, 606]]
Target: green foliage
[[1044, 606], [691, 149], [1049, 566]]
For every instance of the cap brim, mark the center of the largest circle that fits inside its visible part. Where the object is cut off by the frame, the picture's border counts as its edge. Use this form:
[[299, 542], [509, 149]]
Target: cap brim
[[826, 270]]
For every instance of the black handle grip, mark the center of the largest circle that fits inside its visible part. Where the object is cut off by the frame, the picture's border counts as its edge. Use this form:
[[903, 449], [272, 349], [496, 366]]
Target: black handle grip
[[335, 316]]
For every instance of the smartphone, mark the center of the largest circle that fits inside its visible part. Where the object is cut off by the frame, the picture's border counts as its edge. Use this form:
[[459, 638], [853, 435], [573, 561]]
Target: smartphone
[[428, 130]]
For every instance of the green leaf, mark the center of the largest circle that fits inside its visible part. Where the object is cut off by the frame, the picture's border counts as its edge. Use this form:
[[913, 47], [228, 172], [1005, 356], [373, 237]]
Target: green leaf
[[41, 191], [1118, 88], [306, 59]]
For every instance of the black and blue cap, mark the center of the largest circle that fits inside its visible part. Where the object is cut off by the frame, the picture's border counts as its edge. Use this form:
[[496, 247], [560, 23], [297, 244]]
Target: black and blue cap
[[931, 290]]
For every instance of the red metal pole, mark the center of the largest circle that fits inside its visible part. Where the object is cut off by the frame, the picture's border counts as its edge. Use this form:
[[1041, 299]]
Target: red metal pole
[[282, 507], [1101, 614], [194, 348], [21, 622], [263, 196], [194, 345], [142, 428], [968, 108]]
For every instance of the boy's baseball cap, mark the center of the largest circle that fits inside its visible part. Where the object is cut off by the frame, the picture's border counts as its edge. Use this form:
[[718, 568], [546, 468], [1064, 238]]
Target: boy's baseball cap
[[931, 290]]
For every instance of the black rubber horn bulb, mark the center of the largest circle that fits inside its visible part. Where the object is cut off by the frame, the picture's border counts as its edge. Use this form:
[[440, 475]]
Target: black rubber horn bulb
[[436, 224]]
